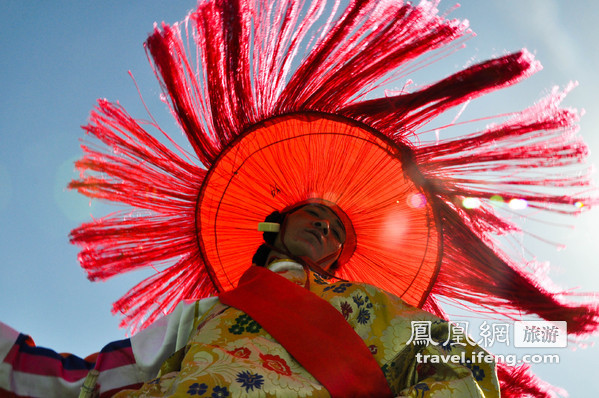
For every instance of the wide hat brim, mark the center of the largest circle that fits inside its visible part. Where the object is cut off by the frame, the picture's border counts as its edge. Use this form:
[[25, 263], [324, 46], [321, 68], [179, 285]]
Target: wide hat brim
[[307, 156]]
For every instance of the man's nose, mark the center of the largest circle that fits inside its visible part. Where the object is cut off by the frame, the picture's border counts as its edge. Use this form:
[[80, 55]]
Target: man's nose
[[323, 225]]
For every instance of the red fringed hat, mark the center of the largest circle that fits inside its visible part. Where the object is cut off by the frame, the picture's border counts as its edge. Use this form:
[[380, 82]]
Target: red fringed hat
[[279, 103], [298, 157]]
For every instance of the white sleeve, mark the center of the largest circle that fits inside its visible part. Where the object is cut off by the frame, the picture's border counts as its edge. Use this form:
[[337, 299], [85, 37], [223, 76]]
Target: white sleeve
[[153, 345]]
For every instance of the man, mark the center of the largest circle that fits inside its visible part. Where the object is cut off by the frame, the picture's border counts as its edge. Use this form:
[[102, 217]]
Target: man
[[271, 135], [209, 348]]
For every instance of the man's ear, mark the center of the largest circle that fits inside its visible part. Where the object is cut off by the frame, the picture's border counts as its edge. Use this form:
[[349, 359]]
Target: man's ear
[[275, 217]]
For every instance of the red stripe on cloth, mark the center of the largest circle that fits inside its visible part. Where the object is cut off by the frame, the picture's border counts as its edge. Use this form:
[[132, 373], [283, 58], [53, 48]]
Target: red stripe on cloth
[[312, 331], [46, 366], [114, 359]]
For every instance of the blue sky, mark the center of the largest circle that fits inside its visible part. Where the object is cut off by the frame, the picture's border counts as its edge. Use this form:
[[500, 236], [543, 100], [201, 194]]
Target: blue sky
[[59, 57]]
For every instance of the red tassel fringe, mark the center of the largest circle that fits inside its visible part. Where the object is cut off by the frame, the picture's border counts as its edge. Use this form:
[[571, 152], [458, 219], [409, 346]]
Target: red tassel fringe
[[519, 382], [240, 70]]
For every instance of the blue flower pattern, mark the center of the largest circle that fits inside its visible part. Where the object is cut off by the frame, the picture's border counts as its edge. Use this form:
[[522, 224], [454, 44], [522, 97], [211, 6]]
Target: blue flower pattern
[[197, 389], [476, 370], [319, 280], [421, 388], [250, 380], [359, 300], [364, 305], [478, 373], [220, 392], [363, 316], [338, 287]]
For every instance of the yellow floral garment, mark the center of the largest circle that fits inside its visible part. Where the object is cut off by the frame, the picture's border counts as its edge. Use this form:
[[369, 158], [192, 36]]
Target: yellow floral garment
[[230, 355]]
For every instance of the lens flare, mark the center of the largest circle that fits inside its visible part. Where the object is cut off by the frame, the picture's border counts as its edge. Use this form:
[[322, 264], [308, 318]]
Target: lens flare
[[518, 204], [496, 199], [471, 203], [416, 200]]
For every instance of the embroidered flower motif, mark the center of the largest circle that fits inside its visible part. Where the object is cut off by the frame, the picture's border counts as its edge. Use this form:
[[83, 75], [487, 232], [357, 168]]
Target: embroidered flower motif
[[359, 300], [363, 316], [236, 329], [253, 327], [421, 388], [249, 380], [220, 392], [338, 287], [373, 349], [241, 352], [275, 363], [197, 389], [346, 309], [244, 323], [243, 319], [319, 280], [477, 372]]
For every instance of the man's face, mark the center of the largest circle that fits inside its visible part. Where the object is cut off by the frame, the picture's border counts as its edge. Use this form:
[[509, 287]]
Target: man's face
[[313, 231]]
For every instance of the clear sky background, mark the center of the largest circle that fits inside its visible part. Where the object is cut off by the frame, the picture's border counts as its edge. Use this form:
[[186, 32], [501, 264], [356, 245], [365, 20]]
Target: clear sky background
[[58, 57]]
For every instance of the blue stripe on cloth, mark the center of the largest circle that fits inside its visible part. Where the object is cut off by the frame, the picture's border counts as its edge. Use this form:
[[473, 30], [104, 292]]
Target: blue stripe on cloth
[[69, 361], [116, 345]]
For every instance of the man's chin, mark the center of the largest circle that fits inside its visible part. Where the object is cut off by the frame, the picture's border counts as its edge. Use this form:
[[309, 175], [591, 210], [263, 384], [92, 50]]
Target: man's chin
[[303, 249]]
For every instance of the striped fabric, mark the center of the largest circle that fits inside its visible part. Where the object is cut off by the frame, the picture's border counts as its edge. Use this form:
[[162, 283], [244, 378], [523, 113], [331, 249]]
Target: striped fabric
[[40, 372], [30, 371]]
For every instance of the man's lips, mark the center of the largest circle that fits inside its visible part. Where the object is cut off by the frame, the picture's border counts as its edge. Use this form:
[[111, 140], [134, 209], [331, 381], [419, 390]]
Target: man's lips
[[316, 234]]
